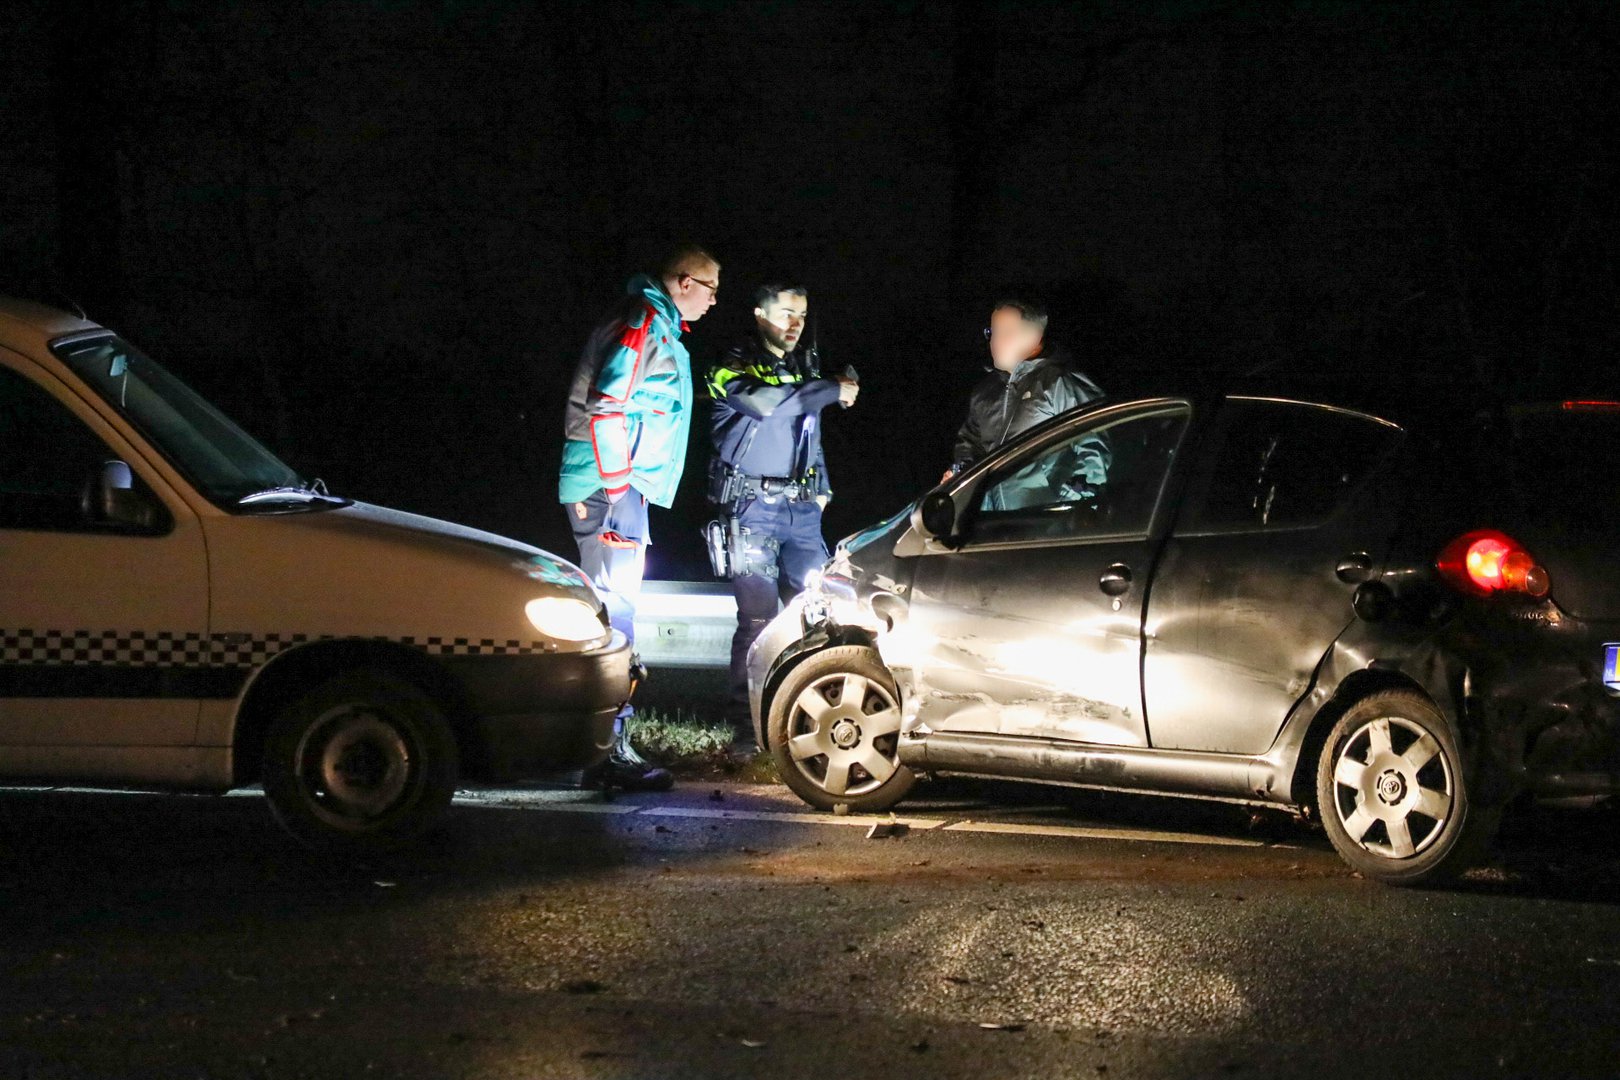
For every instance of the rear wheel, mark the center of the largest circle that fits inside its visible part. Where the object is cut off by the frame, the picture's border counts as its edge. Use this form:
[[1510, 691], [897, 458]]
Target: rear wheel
[[834, 731], [1392, 794], [364, 760]]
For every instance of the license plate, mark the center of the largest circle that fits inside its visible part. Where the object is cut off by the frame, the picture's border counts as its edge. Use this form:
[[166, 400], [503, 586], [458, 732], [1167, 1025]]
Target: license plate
[[1611, 666]]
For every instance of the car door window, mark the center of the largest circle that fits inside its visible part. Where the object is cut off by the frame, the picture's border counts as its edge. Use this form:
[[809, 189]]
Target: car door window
[[47, 456], [1284, 465], [1104, 481]]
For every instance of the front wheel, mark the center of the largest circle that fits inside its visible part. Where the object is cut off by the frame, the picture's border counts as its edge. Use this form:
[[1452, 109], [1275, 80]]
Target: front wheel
[[1392, 795], [834, 732], [363, 761]]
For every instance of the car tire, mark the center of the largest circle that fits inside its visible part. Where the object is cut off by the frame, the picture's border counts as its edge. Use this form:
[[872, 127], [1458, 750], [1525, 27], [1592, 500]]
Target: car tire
[[834, 731], [1393, 796], [364, 761]]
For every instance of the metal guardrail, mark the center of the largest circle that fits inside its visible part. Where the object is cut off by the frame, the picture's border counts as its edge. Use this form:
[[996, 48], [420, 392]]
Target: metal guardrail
[[685, 623]]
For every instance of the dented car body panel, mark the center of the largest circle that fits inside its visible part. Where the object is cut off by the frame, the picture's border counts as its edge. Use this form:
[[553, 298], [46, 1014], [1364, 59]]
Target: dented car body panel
[[1257, 565]]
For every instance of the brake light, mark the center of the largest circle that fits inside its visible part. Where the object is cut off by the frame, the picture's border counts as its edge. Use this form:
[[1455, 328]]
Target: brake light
[[1591, 406], [1485, 562]]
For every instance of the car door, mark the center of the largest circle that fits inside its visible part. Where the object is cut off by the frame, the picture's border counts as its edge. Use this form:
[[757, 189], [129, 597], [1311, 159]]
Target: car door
[[1284, 516], [103, 628], [1031, 626]]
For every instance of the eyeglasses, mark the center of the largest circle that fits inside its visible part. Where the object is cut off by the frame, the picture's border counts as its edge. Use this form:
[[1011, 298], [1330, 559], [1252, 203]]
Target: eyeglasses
[[712, 286]]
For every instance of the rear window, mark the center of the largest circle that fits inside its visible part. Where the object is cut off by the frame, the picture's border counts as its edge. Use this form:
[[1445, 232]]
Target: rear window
[[1284, 465]]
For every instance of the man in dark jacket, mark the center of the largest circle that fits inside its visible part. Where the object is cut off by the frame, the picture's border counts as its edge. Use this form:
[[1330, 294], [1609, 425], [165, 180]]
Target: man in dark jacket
[[1027, 385], [768, 477]]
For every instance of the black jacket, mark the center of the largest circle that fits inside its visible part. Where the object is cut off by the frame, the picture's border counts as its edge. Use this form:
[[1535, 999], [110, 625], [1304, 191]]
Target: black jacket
[[767, 415], [1004, 404]]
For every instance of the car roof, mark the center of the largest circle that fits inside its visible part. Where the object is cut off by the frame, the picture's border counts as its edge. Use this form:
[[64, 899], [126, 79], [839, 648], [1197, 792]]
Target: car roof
[[28, 326], [1418, 402]]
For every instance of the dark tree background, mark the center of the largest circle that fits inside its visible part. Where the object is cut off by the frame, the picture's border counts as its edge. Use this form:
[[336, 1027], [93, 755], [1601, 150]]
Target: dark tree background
[[377, 233]]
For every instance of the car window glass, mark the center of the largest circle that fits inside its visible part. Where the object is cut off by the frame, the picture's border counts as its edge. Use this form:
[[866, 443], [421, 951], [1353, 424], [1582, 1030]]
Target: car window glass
[[1104, 481], [47, 455], [1278, 465]]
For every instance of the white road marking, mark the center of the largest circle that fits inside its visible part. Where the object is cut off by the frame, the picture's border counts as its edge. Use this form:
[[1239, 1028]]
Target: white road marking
[[570, 802], [1087, 832], [867, 820], [541, 800]]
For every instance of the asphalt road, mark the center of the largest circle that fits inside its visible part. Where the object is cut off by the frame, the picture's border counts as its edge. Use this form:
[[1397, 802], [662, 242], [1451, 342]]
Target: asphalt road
[[1007, 932]]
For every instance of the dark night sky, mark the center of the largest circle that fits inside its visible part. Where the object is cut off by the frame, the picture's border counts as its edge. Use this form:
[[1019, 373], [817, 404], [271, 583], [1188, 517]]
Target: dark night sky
[[377, 233]]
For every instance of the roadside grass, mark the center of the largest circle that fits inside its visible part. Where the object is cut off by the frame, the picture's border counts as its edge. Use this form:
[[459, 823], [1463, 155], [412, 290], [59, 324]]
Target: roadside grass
[[693, 747]]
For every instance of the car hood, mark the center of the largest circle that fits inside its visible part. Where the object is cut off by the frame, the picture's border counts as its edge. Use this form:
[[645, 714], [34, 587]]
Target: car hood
[[366, 570]]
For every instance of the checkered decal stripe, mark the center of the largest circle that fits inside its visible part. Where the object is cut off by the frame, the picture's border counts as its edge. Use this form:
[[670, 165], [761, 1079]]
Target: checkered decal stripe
[[86, 647], [161, 648]]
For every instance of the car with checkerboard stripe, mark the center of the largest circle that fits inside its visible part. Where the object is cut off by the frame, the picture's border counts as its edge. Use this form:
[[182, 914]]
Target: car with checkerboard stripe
[[179, 609]]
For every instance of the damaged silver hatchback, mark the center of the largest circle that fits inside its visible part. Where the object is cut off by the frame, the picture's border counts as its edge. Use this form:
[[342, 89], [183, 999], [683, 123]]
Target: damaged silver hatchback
[[1270, 601]]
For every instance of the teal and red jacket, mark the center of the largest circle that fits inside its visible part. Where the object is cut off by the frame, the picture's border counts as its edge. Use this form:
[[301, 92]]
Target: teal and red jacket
[[630, 407]]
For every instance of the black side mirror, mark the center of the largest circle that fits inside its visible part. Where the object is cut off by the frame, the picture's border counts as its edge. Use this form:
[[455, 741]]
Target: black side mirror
[[110, 498], [938, 515]]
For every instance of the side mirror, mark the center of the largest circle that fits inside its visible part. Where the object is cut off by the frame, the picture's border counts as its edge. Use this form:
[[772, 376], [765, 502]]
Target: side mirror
[[937, 516], [110, 498]]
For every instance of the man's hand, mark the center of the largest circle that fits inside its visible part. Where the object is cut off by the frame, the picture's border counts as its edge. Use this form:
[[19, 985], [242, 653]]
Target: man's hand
[[848, 391], [950, 472]]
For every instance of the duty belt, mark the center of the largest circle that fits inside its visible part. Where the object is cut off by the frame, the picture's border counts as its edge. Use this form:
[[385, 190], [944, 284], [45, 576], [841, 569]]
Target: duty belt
[[753, 487]]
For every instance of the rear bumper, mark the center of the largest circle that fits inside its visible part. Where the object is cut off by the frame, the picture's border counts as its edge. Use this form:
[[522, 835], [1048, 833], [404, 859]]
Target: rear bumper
[[1539, 708], [535, 715]]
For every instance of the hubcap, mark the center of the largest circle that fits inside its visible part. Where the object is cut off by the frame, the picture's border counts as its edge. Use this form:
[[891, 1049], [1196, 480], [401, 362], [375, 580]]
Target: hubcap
[[844, 734], [354, 764], [1393, 787]]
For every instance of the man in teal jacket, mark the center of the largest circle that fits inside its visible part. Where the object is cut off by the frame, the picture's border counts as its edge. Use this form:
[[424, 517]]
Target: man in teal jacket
[[628, 416]]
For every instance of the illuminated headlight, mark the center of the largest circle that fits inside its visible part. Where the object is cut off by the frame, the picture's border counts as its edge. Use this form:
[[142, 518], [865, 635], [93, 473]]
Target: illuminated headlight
[[564, 619]]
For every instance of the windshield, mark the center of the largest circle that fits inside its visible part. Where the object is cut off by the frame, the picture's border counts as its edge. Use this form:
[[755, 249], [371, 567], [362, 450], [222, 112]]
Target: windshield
[[231, 468]]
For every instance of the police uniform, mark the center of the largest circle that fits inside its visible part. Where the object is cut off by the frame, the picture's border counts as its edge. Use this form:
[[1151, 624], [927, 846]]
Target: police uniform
[[769, 481]]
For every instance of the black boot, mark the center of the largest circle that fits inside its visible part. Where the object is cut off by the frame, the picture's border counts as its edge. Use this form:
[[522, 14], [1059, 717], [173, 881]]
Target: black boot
[[626, 770]]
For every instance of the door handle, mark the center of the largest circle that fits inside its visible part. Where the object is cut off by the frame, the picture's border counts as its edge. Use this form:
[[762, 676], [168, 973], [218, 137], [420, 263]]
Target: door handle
[[1115, 580], [1354, 568]]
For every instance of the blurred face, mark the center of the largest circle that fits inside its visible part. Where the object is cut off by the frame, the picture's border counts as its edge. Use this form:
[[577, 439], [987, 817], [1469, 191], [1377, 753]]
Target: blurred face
[[781, 321], [695, 291], [1012, 339]]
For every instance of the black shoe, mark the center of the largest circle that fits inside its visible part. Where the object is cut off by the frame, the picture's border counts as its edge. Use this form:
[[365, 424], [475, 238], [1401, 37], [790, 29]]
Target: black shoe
[[623, 774]]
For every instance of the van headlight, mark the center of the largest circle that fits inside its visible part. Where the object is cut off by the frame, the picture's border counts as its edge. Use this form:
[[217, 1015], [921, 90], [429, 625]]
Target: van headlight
[[565, 619]]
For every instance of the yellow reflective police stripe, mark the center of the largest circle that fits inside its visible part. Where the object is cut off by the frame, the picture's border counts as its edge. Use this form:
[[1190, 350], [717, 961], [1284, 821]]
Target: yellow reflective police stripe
[[719, 377]]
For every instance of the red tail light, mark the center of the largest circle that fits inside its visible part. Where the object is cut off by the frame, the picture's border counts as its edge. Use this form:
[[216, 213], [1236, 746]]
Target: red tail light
[[1485, 562]]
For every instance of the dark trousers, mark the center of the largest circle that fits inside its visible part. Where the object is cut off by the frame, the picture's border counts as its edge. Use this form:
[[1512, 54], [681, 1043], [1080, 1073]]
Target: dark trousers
[[613, 565], [783, 544]]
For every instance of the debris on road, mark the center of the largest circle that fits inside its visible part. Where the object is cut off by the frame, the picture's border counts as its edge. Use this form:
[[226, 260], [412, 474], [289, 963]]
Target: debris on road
[[887, 830], [583, 986]]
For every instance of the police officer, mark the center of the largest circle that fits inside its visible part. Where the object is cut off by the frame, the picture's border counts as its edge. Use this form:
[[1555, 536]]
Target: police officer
[[768, 477], [629, 411]]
